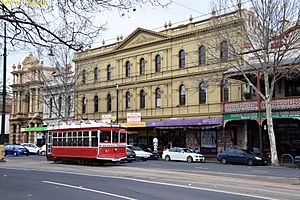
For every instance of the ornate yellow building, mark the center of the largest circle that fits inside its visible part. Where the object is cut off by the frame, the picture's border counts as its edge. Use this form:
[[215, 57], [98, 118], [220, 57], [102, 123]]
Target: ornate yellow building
[[27, 107], [169, 79]]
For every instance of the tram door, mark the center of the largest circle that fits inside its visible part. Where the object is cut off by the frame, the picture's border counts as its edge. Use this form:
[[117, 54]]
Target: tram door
[[49, 143]]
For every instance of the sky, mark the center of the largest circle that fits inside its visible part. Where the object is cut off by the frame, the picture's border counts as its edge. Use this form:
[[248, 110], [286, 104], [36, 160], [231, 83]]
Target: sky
[[148, 17]]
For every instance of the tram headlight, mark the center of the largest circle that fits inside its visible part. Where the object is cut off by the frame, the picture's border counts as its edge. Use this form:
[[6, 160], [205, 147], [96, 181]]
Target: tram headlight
[[115, 150]]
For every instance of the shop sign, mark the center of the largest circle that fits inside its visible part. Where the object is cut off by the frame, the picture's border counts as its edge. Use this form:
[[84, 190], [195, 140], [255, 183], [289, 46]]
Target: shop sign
[[186, 122], [240, 116], [34, 129], [283, 114], [134, 117], [106, 118]]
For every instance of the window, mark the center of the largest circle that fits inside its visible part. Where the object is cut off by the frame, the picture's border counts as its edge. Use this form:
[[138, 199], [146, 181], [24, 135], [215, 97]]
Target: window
[[142, 99], [181, 95], [105, 136], [96, 74], [122, 137], [83, 105], [202, 55], [157, 98], [226, 91], [157, 63], [115, 136], [108, 103], [96, 103], [127, 69], [69, 106], [94, 137], [109, 72], [181, 58], [202, 92], [224, 51], [51, 107], [59, 105], [142, 66], [83, 76], [127, 100]]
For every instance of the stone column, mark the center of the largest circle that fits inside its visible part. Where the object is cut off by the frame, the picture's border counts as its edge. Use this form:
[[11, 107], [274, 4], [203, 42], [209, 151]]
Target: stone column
[[37, 100], [30, 101]]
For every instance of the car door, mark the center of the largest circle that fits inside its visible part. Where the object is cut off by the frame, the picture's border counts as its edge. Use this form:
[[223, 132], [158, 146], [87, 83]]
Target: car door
[[180, 155], [172, 153], [240, 156], [231, 155]]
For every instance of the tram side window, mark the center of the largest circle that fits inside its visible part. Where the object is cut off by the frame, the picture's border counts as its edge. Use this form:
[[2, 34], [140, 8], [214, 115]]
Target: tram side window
[[86, 138], [64, 139], [94, 139], [54, 139], [122, 137], [70, 142], [115, 136], [79, 139], [105, 136], [75, 139], [59, 141]]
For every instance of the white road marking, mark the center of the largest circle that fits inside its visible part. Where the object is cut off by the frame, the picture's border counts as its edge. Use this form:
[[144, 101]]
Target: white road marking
[[201, 168], [87, 189], [260, 171]]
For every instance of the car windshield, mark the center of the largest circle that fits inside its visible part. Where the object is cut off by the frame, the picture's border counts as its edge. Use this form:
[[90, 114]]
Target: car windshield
[[186, 150], [19, 147], [137, 148], [247, 151]]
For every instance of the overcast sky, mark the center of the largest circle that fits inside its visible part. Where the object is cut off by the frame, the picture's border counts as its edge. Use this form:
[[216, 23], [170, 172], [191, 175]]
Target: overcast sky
[[148, 17]]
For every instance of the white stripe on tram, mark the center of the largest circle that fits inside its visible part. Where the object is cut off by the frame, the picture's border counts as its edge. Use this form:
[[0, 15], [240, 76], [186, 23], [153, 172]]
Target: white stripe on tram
[[87, 189]]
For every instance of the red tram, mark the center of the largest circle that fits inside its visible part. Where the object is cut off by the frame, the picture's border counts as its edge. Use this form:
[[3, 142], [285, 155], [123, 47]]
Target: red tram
[[86, 141]]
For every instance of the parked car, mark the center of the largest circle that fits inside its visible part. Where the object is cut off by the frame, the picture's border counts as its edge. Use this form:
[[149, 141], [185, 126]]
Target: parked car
[[14, 149], [33, 149], [131, 156], [140, 153], [242, 156], [42, 150], [297, 160], [154, 155], [182, 154]]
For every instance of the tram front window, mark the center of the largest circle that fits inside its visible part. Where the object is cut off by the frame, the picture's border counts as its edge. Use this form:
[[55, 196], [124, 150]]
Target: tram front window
[[105, 136]]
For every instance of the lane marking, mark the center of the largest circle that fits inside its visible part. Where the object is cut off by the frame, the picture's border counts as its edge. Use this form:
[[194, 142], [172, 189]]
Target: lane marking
[[201, 168], [87, 189]]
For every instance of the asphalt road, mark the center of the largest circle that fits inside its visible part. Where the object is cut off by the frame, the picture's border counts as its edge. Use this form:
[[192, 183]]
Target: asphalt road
[[153, 179], [37, 185]]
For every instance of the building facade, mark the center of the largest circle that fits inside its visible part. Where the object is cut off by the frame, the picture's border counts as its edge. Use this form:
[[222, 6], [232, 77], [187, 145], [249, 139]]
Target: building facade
[[27, 107], [170, 79]]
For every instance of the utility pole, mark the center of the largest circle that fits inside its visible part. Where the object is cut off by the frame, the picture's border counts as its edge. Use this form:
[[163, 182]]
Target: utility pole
[[3, 99]]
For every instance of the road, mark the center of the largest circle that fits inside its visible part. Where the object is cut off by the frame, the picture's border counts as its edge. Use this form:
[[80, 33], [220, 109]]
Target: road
[[34, 178]]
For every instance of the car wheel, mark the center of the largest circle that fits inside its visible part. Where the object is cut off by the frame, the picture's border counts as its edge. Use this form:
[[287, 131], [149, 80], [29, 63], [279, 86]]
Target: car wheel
[[43, 153], [224, 160], [15, 154], [167, 158], [189, 159], [250, 162]]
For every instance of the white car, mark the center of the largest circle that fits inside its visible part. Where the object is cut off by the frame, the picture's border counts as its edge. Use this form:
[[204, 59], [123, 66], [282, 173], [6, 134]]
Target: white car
[[140, 153], [182, 154], [32, 148], [42, 150]]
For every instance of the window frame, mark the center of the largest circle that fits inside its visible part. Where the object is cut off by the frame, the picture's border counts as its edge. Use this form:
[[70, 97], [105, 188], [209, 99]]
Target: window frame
[[224, 50], [96, 74], [157, 63], [181, 56], [109, 72], [127, 69], [202, 55], [96, 103], [142, 99], [182, 95], [202, 92], [142, 66], [127, 98], [108, 102], [158, 97]]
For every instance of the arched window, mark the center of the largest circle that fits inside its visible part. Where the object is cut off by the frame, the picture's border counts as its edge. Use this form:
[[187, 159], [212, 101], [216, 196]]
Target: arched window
[[127, 66], [226, 91], [69, 106], [83, 76], [96, 74], [96, 103], [51, 107], [157, 98], [224, 51], [109, 72], [142, 66], [202, 55], [127, 100], [142, 99], [181, 58], [157, 63], [59, 106], [83, 105], [108, 103], [181, 95], [202, 92]]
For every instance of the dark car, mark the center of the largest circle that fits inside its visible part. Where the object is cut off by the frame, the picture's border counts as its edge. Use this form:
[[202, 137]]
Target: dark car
[[243, 156], [130, 155], [154, 155], [14, 149]]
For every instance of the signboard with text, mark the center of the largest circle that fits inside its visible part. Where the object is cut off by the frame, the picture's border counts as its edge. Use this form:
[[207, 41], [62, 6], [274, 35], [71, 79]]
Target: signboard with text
[[134, 117]]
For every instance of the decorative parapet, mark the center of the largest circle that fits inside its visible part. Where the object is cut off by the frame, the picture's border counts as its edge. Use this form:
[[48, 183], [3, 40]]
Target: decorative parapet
[[290, 103], [241, 106]]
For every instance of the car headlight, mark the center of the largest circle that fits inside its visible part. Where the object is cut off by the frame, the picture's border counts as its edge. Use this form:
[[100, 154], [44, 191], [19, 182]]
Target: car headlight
[[257, 158]]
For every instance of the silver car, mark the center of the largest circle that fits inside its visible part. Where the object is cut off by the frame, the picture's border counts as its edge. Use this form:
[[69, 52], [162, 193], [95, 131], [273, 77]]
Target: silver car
[[182, 154]]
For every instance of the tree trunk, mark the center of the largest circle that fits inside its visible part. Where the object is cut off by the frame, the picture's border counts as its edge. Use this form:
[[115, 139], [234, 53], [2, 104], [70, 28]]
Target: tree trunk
[[271, 134]]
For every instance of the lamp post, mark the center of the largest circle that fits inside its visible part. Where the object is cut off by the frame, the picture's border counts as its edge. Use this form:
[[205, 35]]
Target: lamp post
[[3, 99], [117, 104]]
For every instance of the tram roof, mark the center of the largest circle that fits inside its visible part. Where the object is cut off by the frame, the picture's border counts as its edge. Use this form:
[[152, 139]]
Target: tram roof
[[84, 124]]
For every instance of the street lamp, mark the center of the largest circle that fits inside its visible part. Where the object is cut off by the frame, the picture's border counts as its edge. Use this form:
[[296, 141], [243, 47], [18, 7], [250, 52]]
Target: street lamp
[[117, 103]]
